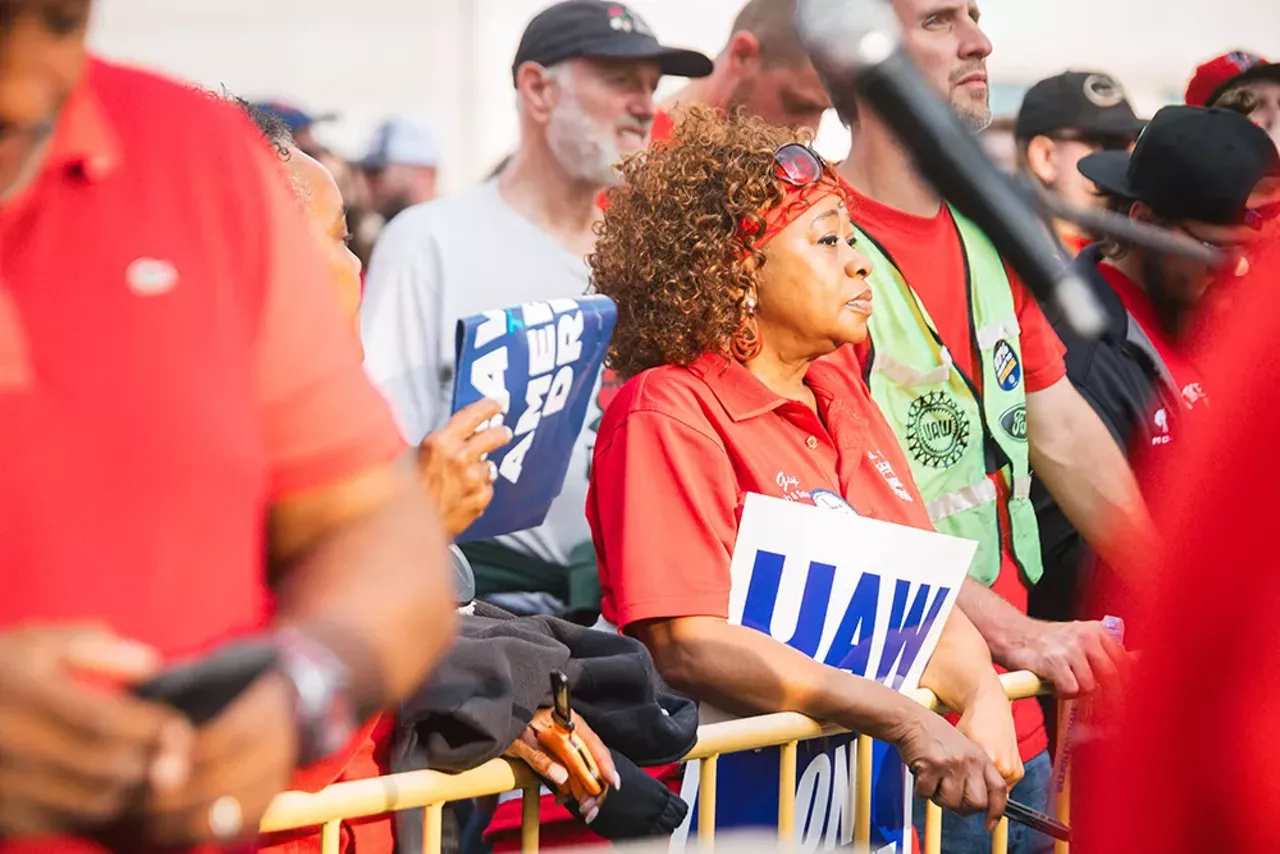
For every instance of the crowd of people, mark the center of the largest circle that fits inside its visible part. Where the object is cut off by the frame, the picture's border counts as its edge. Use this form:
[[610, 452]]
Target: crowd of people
[[249, 435]]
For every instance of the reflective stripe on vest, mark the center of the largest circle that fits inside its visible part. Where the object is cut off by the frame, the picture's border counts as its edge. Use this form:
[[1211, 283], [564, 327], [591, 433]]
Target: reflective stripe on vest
[[971, 497], [951, 433]]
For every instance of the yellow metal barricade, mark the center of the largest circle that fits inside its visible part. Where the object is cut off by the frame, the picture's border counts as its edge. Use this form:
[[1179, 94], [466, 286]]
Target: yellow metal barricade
[[432, 789]]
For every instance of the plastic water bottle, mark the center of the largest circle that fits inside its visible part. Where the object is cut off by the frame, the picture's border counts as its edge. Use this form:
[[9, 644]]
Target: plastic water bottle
[[1068, 730]]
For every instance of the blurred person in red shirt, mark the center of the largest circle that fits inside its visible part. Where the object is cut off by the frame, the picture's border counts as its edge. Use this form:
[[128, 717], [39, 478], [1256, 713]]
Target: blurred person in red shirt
[[183, 416], [1063, 119], [971, 377], [1187, 767], [1210, 175], [1243, 82]]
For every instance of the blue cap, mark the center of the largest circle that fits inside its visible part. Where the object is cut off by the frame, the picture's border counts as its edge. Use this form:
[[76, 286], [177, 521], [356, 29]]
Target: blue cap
[[402, 140]]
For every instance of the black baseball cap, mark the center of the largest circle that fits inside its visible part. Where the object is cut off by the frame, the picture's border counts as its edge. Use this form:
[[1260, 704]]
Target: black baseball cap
[[601, 30], [1190, 163], [1088, 102]]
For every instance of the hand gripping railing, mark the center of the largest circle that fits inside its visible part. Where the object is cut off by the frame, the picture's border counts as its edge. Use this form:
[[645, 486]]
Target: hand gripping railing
[[433, 789]]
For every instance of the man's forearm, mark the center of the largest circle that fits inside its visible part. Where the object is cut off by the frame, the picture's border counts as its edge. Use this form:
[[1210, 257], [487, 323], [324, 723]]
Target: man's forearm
[[743, 671], [377, 591], [1002, 626], [960, 669]]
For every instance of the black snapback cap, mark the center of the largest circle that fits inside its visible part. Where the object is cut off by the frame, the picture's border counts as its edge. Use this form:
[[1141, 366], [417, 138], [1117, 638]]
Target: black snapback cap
[[601, 30], [1089, 102], [1190, 163]]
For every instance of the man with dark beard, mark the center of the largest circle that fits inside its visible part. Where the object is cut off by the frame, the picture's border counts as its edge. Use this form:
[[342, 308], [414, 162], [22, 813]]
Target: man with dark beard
[[1212, 175]]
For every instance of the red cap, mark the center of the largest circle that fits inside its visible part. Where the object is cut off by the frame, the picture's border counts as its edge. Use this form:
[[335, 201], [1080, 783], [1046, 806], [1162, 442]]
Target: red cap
[[1212, 78]]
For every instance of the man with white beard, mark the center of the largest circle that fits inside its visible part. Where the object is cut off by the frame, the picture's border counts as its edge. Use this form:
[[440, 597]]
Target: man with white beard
[[584, 73]]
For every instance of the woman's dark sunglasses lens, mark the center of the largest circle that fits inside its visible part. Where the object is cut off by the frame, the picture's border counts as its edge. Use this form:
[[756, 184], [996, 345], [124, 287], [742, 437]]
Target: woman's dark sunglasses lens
[[797, 165]]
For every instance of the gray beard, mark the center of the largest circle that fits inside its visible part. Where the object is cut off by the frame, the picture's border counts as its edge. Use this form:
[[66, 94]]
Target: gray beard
[[582, 148]]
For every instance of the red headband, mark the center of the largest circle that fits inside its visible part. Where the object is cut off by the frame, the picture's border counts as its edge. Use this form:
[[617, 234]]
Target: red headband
[[795, 201]]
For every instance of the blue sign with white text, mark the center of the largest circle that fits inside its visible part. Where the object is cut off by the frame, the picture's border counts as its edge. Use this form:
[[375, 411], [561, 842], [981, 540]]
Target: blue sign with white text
[[540, 361]]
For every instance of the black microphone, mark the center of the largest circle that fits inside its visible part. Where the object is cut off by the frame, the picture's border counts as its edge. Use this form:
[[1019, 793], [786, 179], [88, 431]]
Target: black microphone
[[855, 46]]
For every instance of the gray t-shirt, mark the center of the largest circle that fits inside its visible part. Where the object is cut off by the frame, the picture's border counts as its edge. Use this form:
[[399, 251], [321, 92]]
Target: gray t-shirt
[[452, 258]]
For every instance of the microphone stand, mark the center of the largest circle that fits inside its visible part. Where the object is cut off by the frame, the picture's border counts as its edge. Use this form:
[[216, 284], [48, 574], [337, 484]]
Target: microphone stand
[[1123, 229]]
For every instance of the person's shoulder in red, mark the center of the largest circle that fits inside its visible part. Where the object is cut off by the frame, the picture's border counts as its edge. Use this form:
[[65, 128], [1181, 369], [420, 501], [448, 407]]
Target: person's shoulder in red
[[668, 390], [196, 317], [660, 467], [323, 421], [1043, 354], [664, 125]]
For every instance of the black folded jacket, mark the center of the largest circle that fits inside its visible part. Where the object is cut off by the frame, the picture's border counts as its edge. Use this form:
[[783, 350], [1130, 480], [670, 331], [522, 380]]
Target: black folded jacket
[[485, 692]]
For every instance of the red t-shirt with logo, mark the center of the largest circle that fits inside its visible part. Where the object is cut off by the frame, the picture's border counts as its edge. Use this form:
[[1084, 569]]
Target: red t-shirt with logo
[[928, 253], [1186, 375]]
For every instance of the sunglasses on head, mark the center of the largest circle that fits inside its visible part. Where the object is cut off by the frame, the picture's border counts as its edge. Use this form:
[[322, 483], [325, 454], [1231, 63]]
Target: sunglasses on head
[[798, 164]]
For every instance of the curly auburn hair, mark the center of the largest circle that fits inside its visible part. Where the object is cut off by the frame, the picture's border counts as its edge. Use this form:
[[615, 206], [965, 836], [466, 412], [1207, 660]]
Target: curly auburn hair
[[670, 251]]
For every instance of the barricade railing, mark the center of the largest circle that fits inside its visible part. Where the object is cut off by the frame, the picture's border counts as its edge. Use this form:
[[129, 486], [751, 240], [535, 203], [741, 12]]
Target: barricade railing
[[431, 790]]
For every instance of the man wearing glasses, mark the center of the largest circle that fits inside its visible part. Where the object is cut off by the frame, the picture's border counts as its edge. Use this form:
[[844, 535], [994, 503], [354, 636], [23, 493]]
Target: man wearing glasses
[[1210, 174], [1066, 118]]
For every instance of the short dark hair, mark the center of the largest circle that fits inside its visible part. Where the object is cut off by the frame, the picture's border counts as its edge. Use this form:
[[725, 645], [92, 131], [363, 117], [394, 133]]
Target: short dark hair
[[1238, 99], [272, 126], [1115, 248], [773, 23], [843, 98]]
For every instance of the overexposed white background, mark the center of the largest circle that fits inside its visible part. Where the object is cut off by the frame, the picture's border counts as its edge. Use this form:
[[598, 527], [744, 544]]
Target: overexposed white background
[[448, 61]]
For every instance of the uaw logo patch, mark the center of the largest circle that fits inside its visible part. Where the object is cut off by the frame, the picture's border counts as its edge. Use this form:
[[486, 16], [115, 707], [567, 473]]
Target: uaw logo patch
[[937, 430], [1008, 368], [1014, 422]]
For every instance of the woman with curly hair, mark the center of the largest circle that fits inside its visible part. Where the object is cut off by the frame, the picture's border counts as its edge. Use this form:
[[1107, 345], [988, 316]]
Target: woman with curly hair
[[730, 255]]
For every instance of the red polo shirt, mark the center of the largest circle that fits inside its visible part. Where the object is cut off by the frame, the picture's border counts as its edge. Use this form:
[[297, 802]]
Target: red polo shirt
[[679, 449], [172, 361], [930, 256]]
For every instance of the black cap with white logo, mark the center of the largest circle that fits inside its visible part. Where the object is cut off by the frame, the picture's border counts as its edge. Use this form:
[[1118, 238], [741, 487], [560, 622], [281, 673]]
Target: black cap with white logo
[[1190, 163], [601, 30], [1089, 103]]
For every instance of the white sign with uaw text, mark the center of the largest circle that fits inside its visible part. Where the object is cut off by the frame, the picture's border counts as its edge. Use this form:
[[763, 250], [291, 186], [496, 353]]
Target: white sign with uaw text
[[857, 594]]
